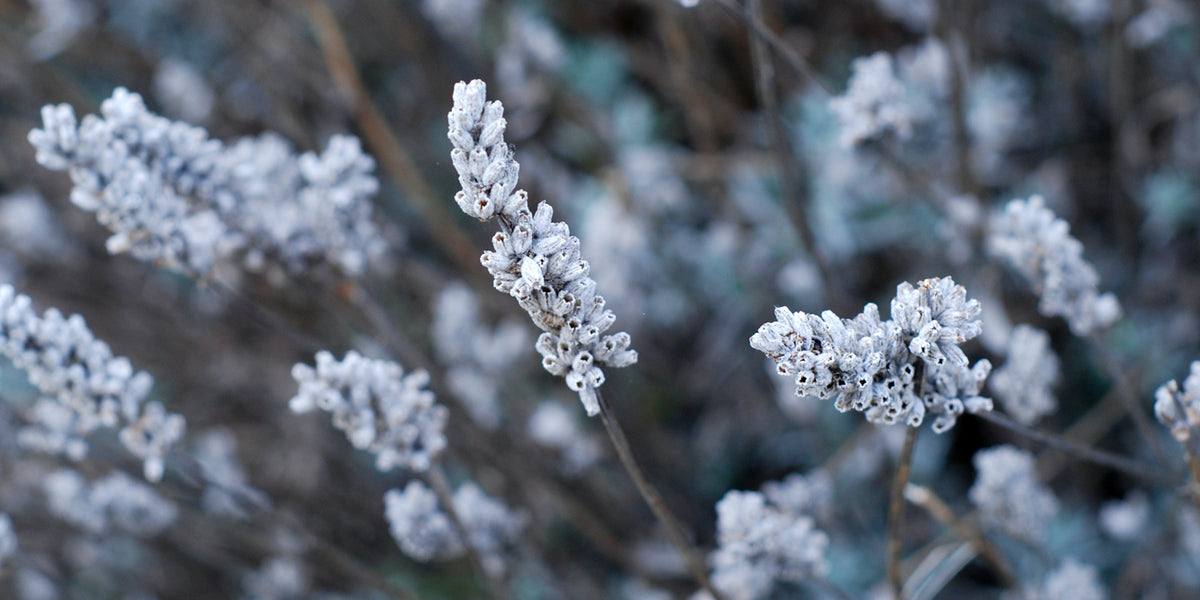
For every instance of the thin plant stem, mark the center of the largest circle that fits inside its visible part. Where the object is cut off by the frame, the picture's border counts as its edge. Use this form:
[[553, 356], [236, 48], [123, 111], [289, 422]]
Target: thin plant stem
[[964, 528], [790, 169], [437, 480], [1099, 457], [896, 512], [653, 499], [392, 155], [787, 53], [1130, 397]]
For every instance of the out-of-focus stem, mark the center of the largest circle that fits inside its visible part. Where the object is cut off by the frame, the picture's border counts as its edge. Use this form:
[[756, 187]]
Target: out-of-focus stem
[[437, 480], [896, 512], [384, 144], [653, 499], [964, 528]]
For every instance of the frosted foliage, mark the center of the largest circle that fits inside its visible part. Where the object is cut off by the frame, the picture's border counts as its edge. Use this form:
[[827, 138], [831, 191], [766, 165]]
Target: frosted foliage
[[420, 528], [173, 196], [917, 14], [182, 89], [759, 544], [1008, 495], [28, 225], [873, 104], [279, 578], [117, 501], [553, 425], [490, 524], [895, 371], [810, 494], [1039, 246], [1023, 383], [459, 20], [378, 407], [477, 357], [425, 533], [1086, 14], [58, 22], [8, 539], [1072, 580], [535, 259], [68, 364], [1179, 408], [1127, 519]]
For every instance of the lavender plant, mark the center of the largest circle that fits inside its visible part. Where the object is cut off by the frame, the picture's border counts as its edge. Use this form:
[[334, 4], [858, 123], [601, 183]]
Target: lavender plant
[[715, 159]]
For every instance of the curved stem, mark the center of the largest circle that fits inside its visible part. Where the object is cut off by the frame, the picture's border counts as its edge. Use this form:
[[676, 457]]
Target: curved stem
[[896, 512], [653, 499]]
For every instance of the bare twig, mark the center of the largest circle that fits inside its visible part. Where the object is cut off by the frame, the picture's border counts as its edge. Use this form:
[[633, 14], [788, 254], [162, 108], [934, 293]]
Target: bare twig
[[673, 530], [896, 512], [964, 528], [1100, 457]]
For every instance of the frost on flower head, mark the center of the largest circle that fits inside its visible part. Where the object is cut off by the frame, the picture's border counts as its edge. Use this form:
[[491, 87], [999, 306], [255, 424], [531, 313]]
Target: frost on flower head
[[1039, 246], [425, 533], [759, 544], [116, 501], [1178, 408], [377, 406], [895, 371], [1023, 384], [1008, 495], [874, 103], [172, 195], [1072, 580], [535, 259], [70, 366]]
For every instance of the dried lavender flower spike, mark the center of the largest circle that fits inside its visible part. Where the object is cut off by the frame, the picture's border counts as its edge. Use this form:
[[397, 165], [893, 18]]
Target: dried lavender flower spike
[[1008, 494], [1023, 385], [66, 362], [1179, 408], [535, 259], [760, 543], [874, 103], [894, 371], [378, 407], [1039, 246], [173, 196]]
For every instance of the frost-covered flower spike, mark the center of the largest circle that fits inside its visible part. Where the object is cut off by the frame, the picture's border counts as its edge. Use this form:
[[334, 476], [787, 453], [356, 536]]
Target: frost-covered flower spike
[[1179, 408], [895, 371], [172, 195], [426, 533], [377, 406], [69, 365], [1039, 246], [1008, 494], [535, 259]]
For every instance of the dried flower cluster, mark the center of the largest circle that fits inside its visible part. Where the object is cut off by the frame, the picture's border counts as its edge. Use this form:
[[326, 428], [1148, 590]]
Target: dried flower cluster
[[1023, 384], [174, 196], [1008, 494], [1179, 408], [535, 259], [759, 544], [1039, 246], [894, 371], [378, 407], [79, 373], [425, 533]]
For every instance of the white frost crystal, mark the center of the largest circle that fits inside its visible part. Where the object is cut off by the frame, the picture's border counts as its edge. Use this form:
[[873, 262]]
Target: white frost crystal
[[377, 406], [1039, 246], [535, 259], [894, 371]]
